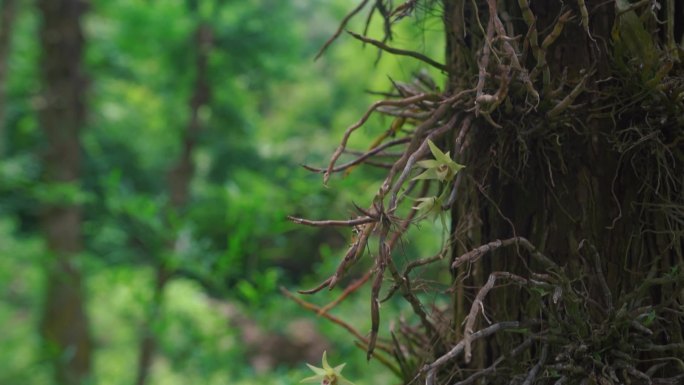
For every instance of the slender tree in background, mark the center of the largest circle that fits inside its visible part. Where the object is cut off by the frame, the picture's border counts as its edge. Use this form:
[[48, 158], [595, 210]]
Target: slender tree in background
[[569, 119], [62, 111], [7, 16], [179, 179]]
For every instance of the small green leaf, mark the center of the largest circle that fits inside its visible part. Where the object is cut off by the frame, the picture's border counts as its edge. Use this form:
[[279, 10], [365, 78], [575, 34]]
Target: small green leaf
[[650, 317]]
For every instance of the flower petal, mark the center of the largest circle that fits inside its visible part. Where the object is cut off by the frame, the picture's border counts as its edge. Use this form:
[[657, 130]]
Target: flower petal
[[313, 379], [455, 167], [437, 153], [343, 381], [428, 163], [338, 368], [326, 366], [430, 173], [318, 371]]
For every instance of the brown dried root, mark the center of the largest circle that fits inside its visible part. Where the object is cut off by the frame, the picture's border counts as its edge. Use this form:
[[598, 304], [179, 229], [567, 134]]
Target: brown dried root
[[345, 138], [313, 308], [343, 24]]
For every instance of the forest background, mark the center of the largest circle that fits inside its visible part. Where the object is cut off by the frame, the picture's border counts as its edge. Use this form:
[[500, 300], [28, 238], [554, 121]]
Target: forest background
[[152, 151], [180, 277]]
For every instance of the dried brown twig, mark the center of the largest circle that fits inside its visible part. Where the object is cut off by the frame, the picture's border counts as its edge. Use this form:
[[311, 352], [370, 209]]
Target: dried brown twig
[[478, 305], [347, 291], [332, 222], [362, 157], [398, 51], [431, 369], [313, 308], [345, 138], [476, 253], [343, 24]]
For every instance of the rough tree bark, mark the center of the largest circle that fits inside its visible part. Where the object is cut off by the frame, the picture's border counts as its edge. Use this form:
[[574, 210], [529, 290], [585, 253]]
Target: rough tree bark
[[64, 324], [179, 181], [569, 182]]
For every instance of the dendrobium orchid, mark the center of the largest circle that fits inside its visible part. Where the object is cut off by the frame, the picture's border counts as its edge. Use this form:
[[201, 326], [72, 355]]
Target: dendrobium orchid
[[327, 375], [441, 168]]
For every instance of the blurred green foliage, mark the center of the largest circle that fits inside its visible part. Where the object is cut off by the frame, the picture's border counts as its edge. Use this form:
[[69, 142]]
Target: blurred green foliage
[[272, 109]]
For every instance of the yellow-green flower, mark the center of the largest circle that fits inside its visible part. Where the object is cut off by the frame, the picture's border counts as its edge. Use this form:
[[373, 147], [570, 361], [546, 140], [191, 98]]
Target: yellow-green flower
[[441, 168], [327, 375], [429, 205], [432, 206]]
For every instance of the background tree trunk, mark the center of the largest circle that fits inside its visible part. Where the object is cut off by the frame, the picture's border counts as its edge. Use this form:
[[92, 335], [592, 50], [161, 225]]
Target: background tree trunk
[[179, 181], [7, 16], [64, 325]]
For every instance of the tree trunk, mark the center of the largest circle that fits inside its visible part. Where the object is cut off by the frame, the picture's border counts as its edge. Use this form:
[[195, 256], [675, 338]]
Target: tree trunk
[[148, 343], [64, 325], [7, 17], [579, 184], [179, 181]]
